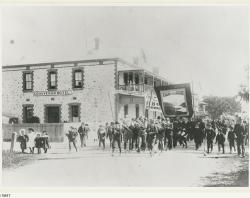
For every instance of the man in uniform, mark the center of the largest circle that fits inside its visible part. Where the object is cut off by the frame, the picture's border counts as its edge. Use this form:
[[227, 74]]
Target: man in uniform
[[109, 132], [151, 135], [210, 135], [101, 136], [116, 137], [220, 139], [81, 133], [168, 134], [231, 139], [240, 137]]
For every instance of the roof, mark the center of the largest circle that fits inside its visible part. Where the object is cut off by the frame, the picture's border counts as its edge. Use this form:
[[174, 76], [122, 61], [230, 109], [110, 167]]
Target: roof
[[85, 61]]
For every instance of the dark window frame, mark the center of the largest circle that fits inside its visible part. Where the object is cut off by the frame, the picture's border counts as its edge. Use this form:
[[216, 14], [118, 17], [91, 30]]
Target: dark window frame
[[71, 105], [125, 110], [52, 71], [74, 71], [46, 112], [25, 81], [24, 113], [137, 113]]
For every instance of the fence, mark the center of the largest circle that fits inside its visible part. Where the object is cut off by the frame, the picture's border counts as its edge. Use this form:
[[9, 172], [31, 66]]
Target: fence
[[55, 131]]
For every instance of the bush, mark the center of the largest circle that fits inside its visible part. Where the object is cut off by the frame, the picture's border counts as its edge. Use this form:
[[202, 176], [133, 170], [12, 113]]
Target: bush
[[13, 120], [34, 119]]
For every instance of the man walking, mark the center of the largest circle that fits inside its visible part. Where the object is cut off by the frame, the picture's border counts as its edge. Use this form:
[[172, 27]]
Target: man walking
[[210, 135], [240, 137], [81, 133], [116, 137]]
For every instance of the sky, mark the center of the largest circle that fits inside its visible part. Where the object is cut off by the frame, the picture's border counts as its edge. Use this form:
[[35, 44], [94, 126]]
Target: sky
[[206, 46]]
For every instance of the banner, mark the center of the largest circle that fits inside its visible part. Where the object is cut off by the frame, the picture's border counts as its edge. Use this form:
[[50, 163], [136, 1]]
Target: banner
[[175, 100]]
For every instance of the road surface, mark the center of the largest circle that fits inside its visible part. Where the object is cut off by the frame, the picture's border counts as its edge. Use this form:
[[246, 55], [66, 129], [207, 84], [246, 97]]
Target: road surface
[[91, 166]]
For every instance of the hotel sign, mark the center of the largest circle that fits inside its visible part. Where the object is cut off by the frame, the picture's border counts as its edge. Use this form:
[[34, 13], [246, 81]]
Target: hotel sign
[[53, 93]]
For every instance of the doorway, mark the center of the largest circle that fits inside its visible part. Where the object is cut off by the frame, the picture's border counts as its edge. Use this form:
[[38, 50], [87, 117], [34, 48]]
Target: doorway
[[52, 114]]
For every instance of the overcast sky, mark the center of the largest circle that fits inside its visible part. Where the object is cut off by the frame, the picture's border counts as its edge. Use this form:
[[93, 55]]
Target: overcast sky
[[206, 45]]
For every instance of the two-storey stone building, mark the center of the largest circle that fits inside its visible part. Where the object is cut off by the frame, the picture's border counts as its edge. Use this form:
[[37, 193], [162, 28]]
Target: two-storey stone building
[[89, 90]]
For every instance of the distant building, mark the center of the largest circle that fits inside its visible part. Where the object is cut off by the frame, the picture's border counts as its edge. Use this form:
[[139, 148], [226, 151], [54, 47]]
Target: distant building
[[75, 91]]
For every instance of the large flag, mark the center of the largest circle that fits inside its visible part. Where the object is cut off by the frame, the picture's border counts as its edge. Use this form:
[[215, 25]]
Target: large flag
[[175, 100]]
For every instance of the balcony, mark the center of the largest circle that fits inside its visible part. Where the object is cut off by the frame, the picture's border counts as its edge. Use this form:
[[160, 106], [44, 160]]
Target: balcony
[[132, 88]]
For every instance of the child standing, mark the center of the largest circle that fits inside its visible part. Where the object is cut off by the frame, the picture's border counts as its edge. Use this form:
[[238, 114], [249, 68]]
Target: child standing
[[220, 139], [23, 139]]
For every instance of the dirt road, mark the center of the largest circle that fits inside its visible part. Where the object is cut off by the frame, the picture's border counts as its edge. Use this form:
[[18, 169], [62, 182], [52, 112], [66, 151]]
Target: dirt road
[[91, 166]]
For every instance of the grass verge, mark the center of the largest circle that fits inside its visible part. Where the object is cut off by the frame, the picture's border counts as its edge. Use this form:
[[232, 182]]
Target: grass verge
[[15, 159]]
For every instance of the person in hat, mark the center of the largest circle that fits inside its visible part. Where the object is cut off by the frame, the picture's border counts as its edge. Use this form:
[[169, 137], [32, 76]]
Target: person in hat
[[240, 137], [101, 136], [231, 139], [220, 139], [23, 139], [151, 136], [82, 134], [109, 129], [39, 143], [127, 134], [210, 135], [72, 134], [116, 137], [168, 142], [46, 145]]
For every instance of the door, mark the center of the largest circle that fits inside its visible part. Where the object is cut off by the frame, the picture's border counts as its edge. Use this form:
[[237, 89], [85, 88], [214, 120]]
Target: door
[[53, 114]]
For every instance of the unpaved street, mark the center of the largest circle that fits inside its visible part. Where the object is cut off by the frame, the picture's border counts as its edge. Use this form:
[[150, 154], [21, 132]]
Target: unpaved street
[[91, 166]]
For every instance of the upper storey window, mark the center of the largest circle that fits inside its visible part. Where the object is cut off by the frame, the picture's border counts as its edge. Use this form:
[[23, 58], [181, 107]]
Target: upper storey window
[[77, 78], [52, 79], [28, 81]]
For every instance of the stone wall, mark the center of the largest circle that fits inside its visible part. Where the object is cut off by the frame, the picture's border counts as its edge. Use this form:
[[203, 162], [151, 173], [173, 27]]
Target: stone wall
[[97, 98]]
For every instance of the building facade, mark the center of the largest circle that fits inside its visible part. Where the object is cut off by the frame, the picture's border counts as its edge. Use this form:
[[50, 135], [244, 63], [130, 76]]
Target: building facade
[[101, 90]]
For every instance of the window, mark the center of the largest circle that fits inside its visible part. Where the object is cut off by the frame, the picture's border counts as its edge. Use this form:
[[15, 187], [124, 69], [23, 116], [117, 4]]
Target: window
[[137, 110], [74, 113], [130, 77], [137, 78], [125, 110], [27, 113], [52, 83], [28, 81], [77, 79], [125, 78]]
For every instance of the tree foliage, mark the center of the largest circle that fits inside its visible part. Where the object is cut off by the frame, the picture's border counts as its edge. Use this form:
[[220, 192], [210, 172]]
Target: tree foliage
[[216, 106], [244, 88]]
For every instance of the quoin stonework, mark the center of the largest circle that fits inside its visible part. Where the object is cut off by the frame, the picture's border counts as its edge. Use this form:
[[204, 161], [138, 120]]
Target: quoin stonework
[[101, 90]]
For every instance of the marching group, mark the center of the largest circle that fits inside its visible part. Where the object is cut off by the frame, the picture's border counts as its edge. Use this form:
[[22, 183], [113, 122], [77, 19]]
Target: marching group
[[154, 135], [162, 134]]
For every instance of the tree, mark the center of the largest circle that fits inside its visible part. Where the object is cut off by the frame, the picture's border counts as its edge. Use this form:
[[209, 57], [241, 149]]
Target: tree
[[244, 88], [216, 106]]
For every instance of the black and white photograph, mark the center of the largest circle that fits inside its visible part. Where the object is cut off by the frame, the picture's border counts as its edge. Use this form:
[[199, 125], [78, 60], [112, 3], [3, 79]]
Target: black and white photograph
[[125, 96]]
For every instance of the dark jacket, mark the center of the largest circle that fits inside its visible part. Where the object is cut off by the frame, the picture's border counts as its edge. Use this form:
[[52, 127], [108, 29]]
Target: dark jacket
[[220, 138], [210, 134], [23, 139]]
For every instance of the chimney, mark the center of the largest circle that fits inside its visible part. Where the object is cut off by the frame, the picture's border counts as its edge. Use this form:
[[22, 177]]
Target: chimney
[[156, 70]]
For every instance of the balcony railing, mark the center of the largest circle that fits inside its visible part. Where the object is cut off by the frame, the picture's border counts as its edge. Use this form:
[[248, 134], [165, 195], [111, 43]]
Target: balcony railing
[[132, 87]]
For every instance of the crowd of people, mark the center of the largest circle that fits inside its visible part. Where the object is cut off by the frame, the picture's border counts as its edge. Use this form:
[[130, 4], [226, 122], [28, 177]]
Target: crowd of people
[[33, 140], [154, 135], [157, 135]]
